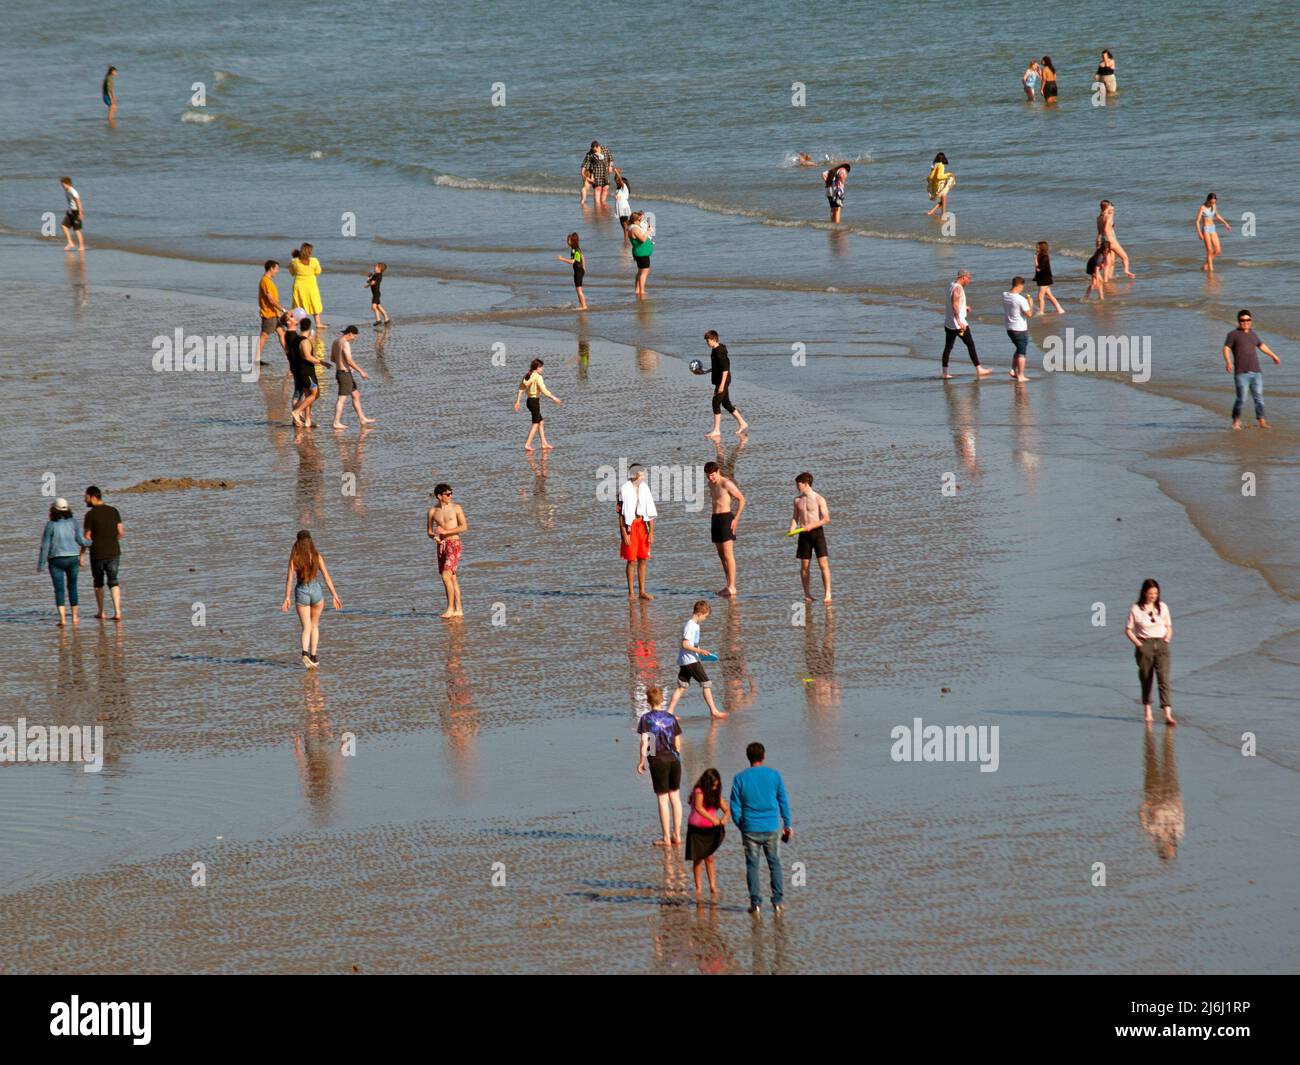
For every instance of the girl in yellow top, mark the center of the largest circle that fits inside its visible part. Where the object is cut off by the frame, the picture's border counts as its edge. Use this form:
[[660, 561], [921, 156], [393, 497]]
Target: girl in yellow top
[[939, 184], [535, 387], [304, 267]]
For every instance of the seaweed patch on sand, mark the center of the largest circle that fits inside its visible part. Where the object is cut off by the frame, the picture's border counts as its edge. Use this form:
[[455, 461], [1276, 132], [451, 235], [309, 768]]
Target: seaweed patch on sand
[[175, 484]]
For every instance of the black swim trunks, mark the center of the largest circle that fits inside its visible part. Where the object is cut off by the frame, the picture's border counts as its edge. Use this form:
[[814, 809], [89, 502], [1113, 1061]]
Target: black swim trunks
[[812, 543], [72, 219], [665, 774], [722, 528], [642, 262], [722, 401], [692, 671], [578, 274]]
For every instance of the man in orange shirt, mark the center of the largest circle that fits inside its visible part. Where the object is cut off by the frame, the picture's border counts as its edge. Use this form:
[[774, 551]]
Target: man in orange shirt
[[268, 306]]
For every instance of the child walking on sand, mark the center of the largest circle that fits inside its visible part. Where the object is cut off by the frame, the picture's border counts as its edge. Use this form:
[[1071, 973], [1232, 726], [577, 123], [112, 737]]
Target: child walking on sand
[[704, 826], [688, 662], [446, 522], [660, 747], [579, 265], [376, 304], [344, 365], [1043, 276], [535, 387], [622, 201]]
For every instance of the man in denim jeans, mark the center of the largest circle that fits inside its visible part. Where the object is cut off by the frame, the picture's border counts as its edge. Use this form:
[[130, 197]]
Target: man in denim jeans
[[1241, 350], [760, 809]]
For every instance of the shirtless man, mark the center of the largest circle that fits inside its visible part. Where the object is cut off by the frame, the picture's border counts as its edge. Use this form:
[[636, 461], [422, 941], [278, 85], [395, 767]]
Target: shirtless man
[[446, 522], [341, 357], [1106, 231], [810, 518], [724, 522]]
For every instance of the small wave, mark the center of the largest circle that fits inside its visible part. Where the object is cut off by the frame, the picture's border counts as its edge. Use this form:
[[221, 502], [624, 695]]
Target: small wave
[[824, 159], [201, 118], [220, 77], [316, 153]]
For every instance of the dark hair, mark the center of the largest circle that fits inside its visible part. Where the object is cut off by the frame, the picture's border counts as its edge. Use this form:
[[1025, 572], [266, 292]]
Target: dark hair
[[58, 515], [533, 367], [710, 784], [804, 478], [1210, 196], [1245, 312], [1147, 585], [710, 467], [94, 492], [830, 174], [381, 267], [1017, 280], [307, 320], [350, 330], [1041, 251], [712, 334], [1108, 53], [269, 264], [595, 144], [755, 752], [1047, 62], [941, 158], [438, 489], [65, 181], [572, 241], [305, 245]]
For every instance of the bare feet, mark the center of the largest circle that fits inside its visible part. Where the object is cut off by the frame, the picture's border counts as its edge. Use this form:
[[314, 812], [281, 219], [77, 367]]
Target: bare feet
[[548, 447], [117, 617], [945, 376], [712, 436], [718, 715], [807, 598], [646, 595], [663, 843], [1236, 423], [727, 593], [1263, 424], [367, 421], [528, 447], [339, 425], [1169, 718], [743, 429], [1129, 273], [983, 371], [826, 599]]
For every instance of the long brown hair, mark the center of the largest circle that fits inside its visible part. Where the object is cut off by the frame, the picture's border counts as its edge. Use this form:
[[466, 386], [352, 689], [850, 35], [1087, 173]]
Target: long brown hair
[[533, 367], [304, 558]]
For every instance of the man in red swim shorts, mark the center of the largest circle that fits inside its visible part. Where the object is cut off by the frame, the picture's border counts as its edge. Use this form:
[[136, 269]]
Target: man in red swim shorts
[[446, 523], [636, 527]]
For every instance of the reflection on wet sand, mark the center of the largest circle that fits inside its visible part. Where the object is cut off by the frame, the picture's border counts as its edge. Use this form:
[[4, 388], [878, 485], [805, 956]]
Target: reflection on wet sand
[[318, 753], [728, 460], [821, 687], [770, 946], [540, 509], [1161, 812], [963, 419], [352, 452], [643, 660], [458, 715], [381, 345], [309, 486], [1024, 434], [277, 395], [584, 359], [647, 361], [75, 264], [738, 685]]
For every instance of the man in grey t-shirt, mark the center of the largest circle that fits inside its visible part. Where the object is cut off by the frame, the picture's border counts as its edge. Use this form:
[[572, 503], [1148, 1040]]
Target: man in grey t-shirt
[[1241, 350]]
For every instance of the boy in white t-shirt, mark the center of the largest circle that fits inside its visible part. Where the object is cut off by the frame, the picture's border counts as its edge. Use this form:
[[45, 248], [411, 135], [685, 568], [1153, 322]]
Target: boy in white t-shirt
[[688, 662], [1017, 307], [74, 216]]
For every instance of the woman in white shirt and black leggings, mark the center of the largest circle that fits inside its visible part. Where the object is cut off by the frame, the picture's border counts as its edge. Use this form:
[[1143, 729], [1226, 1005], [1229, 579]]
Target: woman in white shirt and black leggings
[[1149, 628]]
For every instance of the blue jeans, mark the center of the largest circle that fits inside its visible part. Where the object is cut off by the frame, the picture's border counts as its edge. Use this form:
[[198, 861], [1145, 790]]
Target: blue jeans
[[1255, 381], [63, 569], [768, 843]]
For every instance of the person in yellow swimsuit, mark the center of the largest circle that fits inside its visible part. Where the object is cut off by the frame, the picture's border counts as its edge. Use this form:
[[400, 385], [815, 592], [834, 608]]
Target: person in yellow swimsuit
[[304, 267]]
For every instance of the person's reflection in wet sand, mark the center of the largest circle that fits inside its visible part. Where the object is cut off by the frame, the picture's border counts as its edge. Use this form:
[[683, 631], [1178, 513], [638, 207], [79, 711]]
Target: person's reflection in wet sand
[[642, 658], [821, 687], [309, 486], [728, 460], [647, 360], [277, 395], [318, 752], [708, 946], [963, 420], [1024, 434], [458, 715], [540, 508], [670, 937], [584, 359], [769, 943], [112, 696], [737, 681], [75, 264], [837, 240], [352, 453], [1161, 812]]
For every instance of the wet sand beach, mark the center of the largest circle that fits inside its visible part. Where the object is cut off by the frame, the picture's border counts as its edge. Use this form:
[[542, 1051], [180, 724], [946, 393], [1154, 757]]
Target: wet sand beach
[[480, 743]]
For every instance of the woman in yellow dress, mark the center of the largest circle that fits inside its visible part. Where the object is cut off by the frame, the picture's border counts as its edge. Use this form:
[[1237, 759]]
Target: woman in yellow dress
[[304, 267]]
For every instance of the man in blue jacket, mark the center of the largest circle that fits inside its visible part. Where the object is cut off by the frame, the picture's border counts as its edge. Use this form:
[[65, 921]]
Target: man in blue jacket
[[760, 810]]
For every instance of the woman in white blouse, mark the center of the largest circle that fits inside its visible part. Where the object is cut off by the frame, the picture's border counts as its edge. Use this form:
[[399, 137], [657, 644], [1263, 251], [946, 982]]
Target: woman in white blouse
[[1149, 628]]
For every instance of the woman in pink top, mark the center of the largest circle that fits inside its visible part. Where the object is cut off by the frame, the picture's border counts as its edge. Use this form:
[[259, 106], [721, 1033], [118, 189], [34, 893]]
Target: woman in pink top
[[1149, 628], [704, 831]]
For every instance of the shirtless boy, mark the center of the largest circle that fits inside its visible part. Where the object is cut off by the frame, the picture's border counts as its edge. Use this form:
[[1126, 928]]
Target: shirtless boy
[[344, 365], [446, 523], [723, 491], [811, 516]]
